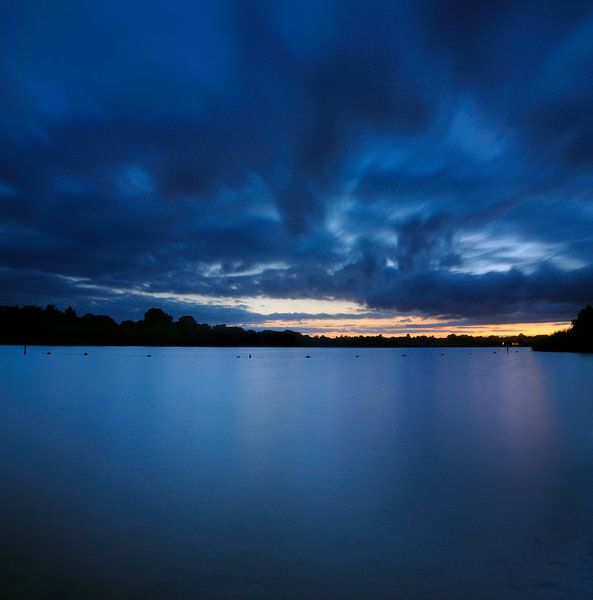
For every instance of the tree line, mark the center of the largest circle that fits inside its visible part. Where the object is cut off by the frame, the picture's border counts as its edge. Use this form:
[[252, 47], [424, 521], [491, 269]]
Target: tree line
[[577, 338], [51, 326]]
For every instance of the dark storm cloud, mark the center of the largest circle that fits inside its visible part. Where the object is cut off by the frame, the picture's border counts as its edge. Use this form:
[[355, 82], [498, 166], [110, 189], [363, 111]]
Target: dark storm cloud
[[431, 157]]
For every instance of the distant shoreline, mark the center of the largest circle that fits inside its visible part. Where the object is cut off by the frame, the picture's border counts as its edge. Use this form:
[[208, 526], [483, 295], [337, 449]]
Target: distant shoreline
[[386, 347], [37, 326], [34, 325]]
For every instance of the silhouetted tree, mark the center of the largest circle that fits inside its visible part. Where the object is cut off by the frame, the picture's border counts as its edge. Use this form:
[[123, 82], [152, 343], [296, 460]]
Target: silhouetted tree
[[579, 338], [583, 324], [157, 316], [35, 325]]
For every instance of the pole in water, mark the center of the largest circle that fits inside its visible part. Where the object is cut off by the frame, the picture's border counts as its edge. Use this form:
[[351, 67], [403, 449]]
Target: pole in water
[[25, 349]]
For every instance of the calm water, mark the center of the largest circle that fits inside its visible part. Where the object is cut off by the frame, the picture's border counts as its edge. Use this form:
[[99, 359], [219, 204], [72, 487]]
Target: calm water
[[197, 474]]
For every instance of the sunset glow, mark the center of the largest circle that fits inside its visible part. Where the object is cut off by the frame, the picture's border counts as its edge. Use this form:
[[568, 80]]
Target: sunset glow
[[398, 327]]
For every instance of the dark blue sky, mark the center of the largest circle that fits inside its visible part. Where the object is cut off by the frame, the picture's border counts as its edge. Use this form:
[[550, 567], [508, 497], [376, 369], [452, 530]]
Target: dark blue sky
[[398, 158]]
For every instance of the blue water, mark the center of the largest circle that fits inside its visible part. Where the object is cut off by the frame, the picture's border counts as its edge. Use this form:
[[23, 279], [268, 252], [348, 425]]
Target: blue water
[[196, 474]]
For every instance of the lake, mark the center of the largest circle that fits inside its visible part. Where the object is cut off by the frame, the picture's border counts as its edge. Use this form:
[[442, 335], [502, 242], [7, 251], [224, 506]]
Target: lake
[[382, 473]]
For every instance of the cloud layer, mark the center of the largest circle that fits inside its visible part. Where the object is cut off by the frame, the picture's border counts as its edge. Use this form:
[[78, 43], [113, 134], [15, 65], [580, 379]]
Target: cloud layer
[[424, 158]]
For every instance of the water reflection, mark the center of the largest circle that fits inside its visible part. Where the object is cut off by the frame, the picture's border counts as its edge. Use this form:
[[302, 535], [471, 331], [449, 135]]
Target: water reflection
[[195, 473]]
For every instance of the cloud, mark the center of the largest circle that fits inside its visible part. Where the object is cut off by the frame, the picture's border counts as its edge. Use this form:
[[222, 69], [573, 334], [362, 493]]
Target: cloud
[[427, 157]]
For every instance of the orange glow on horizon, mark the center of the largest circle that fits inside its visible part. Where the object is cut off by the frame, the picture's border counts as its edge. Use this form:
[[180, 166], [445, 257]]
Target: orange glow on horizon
[[397, 327]]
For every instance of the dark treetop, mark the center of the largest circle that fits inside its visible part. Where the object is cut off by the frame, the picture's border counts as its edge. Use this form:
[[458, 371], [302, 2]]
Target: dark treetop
[[578, 338]]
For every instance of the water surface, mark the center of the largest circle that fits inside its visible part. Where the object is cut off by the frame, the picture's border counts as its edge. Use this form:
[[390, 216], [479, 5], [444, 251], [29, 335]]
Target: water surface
[[202, 473]]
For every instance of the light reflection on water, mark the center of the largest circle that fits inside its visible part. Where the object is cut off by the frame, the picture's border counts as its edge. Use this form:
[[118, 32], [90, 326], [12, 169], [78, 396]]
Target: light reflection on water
[[194, 473]]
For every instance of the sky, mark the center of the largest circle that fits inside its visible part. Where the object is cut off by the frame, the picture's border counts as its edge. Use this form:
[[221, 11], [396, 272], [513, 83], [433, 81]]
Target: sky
[[340, 167]]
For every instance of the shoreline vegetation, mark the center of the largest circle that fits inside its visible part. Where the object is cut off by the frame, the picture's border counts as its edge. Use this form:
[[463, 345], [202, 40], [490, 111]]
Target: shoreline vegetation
[[33, 325], [577, 338]]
